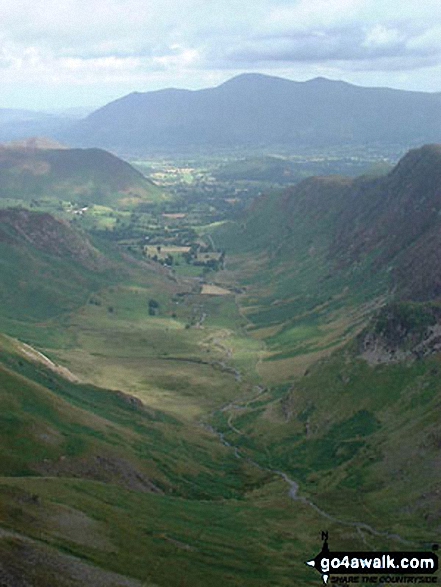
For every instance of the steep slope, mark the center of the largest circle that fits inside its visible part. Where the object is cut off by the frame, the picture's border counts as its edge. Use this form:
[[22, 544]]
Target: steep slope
[[397, 219], [280, 253], [106, 436], [44, 233], [340, 278], [389, 226], [48, 268], [315, 260], [116, 485], [83, 176], [360, 431], [257, 110]]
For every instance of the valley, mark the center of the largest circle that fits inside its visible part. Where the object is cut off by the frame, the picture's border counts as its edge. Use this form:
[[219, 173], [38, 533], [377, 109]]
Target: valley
[[193, 389]]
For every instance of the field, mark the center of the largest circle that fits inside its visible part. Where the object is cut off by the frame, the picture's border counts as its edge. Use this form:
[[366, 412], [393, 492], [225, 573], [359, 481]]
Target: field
[[214, 290]]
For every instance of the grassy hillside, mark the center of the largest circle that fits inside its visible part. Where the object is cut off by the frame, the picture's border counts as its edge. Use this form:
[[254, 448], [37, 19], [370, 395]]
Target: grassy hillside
[[351, 408], [91, 472], [294, 296], [285, 170], [68, 429], [397, 219], [126, 489], [48, 268], [122, 487], [83, 176], [360, 430], [314, 254]]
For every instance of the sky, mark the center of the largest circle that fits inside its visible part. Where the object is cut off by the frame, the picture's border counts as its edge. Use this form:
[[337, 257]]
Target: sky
[[56, 54]]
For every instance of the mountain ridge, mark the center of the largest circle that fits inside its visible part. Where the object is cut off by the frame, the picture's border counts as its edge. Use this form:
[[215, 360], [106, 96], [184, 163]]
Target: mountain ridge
[[255, 110], [335, 241]]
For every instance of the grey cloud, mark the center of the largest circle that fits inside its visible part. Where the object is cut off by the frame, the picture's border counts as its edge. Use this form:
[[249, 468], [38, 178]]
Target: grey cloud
[[123, 45], [337, 44], [395, 64]]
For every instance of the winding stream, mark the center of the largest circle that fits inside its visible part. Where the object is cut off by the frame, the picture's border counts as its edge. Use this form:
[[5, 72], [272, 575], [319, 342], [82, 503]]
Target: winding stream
[[293, 491]]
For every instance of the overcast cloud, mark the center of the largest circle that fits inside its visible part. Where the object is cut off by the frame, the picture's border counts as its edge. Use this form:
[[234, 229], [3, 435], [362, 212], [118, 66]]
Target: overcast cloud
[[58, 53]]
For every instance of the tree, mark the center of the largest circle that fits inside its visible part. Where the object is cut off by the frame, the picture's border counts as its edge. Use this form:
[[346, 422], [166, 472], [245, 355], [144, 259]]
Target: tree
[[153, 307]]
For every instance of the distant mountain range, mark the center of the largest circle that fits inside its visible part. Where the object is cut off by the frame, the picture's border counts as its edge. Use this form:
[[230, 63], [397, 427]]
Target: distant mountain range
[[19, 124], [255, 111]]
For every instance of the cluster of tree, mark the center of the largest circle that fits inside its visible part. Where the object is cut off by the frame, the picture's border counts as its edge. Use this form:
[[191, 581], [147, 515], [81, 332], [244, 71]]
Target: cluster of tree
[[193, 257]]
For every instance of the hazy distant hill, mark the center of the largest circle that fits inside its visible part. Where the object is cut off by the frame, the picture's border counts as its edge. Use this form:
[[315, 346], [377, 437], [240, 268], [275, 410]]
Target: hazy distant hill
[[37, 169], [17, 124], [254, 110], [8, 115], [282, 170]]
